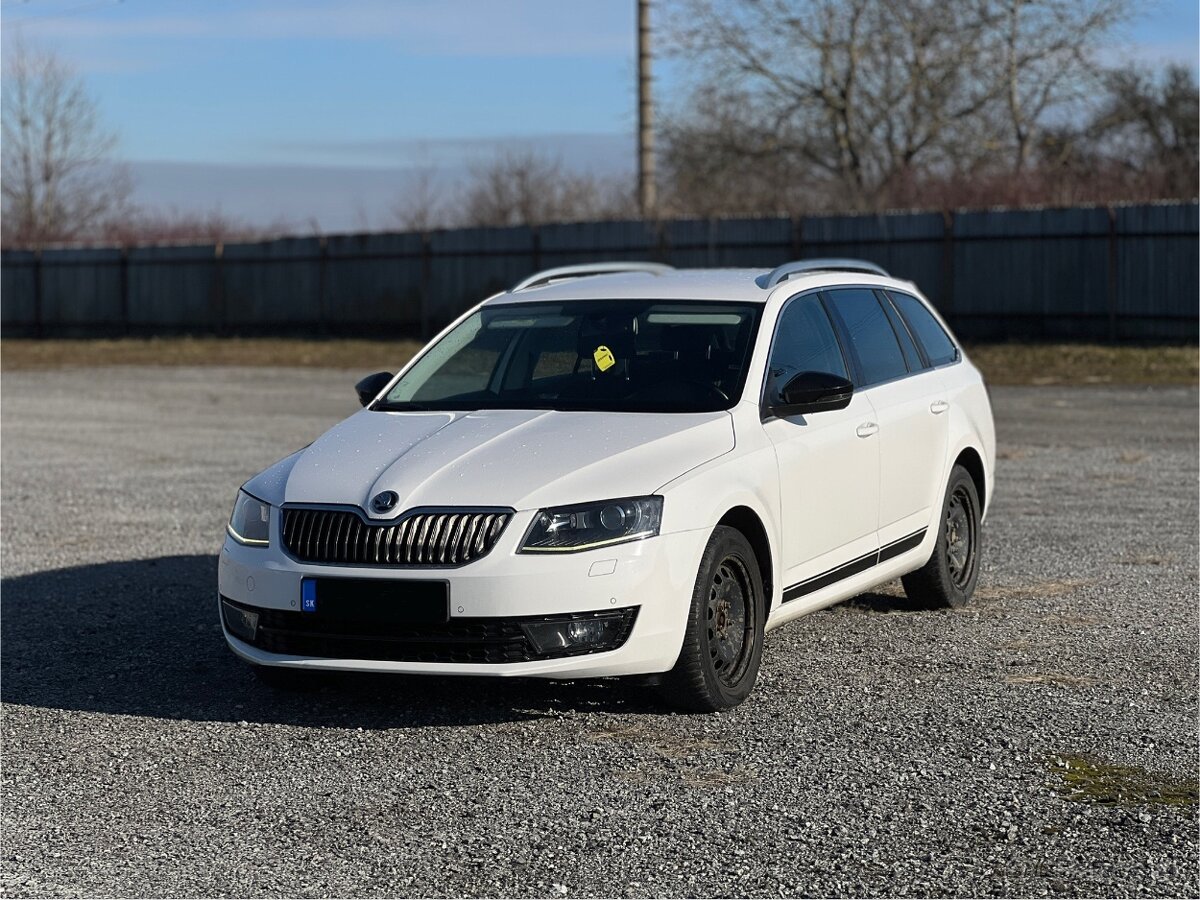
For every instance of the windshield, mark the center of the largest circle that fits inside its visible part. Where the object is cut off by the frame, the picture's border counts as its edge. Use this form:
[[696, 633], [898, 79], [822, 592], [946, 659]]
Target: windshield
[[608, 355]]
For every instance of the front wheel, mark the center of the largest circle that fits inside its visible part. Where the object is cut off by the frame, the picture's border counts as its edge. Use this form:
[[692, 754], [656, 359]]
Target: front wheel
[[722, 647], [949, 578]]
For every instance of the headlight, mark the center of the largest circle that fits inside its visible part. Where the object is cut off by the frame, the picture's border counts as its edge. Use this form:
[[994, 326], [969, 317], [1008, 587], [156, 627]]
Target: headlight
[[250, 522], [569, 529]]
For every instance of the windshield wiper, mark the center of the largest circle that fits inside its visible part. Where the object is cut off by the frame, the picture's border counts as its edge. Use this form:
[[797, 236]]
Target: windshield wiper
[[406, 406]]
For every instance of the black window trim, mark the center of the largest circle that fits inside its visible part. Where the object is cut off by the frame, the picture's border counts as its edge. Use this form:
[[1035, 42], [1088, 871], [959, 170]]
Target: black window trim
[[848, 345], [958, 354], [898, 322], [847, 359]]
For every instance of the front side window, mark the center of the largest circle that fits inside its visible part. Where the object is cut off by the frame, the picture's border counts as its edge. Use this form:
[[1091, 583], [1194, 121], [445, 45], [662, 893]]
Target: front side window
[[872, 339], [805, 341], [606, 355], [937, 344]]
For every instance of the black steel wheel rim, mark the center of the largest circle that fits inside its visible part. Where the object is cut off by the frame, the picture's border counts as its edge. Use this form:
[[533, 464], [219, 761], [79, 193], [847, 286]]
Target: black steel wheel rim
[[730, 615], [962, 529]]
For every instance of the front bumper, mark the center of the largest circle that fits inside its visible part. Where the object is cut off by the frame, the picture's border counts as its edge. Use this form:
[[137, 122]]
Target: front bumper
[[655, 576]]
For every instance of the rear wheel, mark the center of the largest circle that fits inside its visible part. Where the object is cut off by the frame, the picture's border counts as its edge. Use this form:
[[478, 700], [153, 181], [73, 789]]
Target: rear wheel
[[949, 578], [722, 647]]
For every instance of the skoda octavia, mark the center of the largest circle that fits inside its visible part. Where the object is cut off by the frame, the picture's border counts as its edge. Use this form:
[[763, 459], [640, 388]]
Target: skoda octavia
[[623, 469]]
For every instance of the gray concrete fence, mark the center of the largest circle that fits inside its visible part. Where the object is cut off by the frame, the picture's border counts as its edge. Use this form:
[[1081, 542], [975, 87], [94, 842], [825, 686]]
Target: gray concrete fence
[[1120, 273]]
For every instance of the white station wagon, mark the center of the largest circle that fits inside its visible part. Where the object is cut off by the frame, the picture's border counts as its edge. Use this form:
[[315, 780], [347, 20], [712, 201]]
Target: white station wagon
[[623, 469]]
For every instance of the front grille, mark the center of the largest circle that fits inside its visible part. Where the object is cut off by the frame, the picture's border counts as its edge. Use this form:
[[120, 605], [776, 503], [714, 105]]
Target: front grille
[[463, 640], [450, 538]]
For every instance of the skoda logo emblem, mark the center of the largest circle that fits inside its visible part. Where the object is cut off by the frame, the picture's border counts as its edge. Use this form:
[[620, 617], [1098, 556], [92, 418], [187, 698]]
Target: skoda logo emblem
[[384, 502]]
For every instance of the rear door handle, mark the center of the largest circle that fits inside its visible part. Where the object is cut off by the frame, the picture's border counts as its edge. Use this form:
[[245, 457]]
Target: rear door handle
[[866, 429], [937, 407]]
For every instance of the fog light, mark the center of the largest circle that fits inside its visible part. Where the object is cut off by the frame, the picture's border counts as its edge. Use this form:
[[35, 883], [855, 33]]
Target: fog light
[[242, 623], [589, 631], [601, 631]]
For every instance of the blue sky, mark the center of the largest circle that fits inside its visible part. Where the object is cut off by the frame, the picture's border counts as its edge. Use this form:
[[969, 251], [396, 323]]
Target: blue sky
[[206, 93]]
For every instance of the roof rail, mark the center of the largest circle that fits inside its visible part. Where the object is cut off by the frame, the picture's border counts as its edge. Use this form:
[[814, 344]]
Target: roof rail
[[564, 273], [782, 273]]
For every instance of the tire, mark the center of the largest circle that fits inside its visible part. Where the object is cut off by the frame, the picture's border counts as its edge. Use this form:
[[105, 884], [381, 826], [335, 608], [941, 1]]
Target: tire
[[722, 646], [949, 578]]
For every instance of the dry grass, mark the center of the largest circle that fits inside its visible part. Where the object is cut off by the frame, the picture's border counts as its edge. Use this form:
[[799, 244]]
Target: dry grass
[[1085, 778], [334, 353], [1086, 364], [1001, 363]]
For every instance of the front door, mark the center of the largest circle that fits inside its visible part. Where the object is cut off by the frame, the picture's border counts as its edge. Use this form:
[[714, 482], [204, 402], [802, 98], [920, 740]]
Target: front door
[[828, 461]]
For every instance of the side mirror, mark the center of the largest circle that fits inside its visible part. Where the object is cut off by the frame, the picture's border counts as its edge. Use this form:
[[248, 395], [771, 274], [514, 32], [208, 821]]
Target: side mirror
[[368, 389], [810, 392]]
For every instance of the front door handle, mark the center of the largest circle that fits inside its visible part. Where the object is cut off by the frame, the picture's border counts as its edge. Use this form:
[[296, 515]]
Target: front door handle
[[937, 407], [866, 429]]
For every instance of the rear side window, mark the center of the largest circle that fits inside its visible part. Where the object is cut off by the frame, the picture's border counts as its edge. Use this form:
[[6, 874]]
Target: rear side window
[[911, 357], [870, 334], [805, 341], [937, 344]]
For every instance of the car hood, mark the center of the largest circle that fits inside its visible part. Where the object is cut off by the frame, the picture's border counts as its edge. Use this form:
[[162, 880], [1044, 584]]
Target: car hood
[[522, 459]]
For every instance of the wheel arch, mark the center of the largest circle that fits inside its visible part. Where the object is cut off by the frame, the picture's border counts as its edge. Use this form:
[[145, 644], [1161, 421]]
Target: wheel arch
[[970, 459], [748, 522]]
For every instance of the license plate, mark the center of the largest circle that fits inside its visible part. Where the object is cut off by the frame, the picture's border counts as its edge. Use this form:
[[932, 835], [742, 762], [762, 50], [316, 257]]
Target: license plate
[[369, 601]]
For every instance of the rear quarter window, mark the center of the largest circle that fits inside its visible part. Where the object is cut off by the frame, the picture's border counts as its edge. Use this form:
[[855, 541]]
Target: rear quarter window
[[938, 347]]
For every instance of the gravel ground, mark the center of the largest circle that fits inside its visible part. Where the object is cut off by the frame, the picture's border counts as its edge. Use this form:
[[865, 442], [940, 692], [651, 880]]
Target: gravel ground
[[885, 752]]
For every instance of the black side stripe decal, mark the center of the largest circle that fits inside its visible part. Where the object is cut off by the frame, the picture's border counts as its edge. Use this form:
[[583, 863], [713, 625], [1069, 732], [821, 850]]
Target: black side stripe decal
[[845, 570], [895, 548]]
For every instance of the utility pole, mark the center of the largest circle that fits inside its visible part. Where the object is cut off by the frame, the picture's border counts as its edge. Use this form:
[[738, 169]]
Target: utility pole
[[647, 199]]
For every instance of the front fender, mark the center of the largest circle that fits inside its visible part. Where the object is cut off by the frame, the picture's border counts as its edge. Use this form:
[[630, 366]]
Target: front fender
[[746, 477]]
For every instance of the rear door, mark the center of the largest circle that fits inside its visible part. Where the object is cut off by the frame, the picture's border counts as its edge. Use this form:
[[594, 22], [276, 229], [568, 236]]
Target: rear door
[[908, 398]]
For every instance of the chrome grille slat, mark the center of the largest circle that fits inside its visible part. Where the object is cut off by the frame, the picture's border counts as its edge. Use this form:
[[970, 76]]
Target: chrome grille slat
[[435, 536], [422, 540], [448, 538], [334, 526], [347, 542], [400, 535], [468, 532], [344, 539], [303, 528], [331, 526], [476, 524], [481, 537], [446, 546], [455, 537]]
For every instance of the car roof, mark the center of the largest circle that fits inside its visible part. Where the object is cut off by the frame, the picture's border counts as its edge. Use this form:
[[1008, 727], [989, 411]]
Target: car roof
[[697, 285]]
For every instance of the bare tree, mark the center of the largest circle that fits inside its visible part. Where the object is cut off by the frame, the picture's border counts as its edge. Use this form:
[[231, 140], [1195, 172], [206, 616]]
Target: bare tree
[[859, 91], [863, 100], [526, 188], [1043, 58], [173, 226], [421, 206], [59, 181], [1149, 126]]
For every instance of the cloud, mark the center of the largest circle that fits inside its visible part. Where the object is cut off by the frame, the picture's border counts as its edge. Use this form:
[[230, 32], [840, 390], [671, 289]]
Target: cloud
[[522, 28], [605, 153], [363, 190]]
